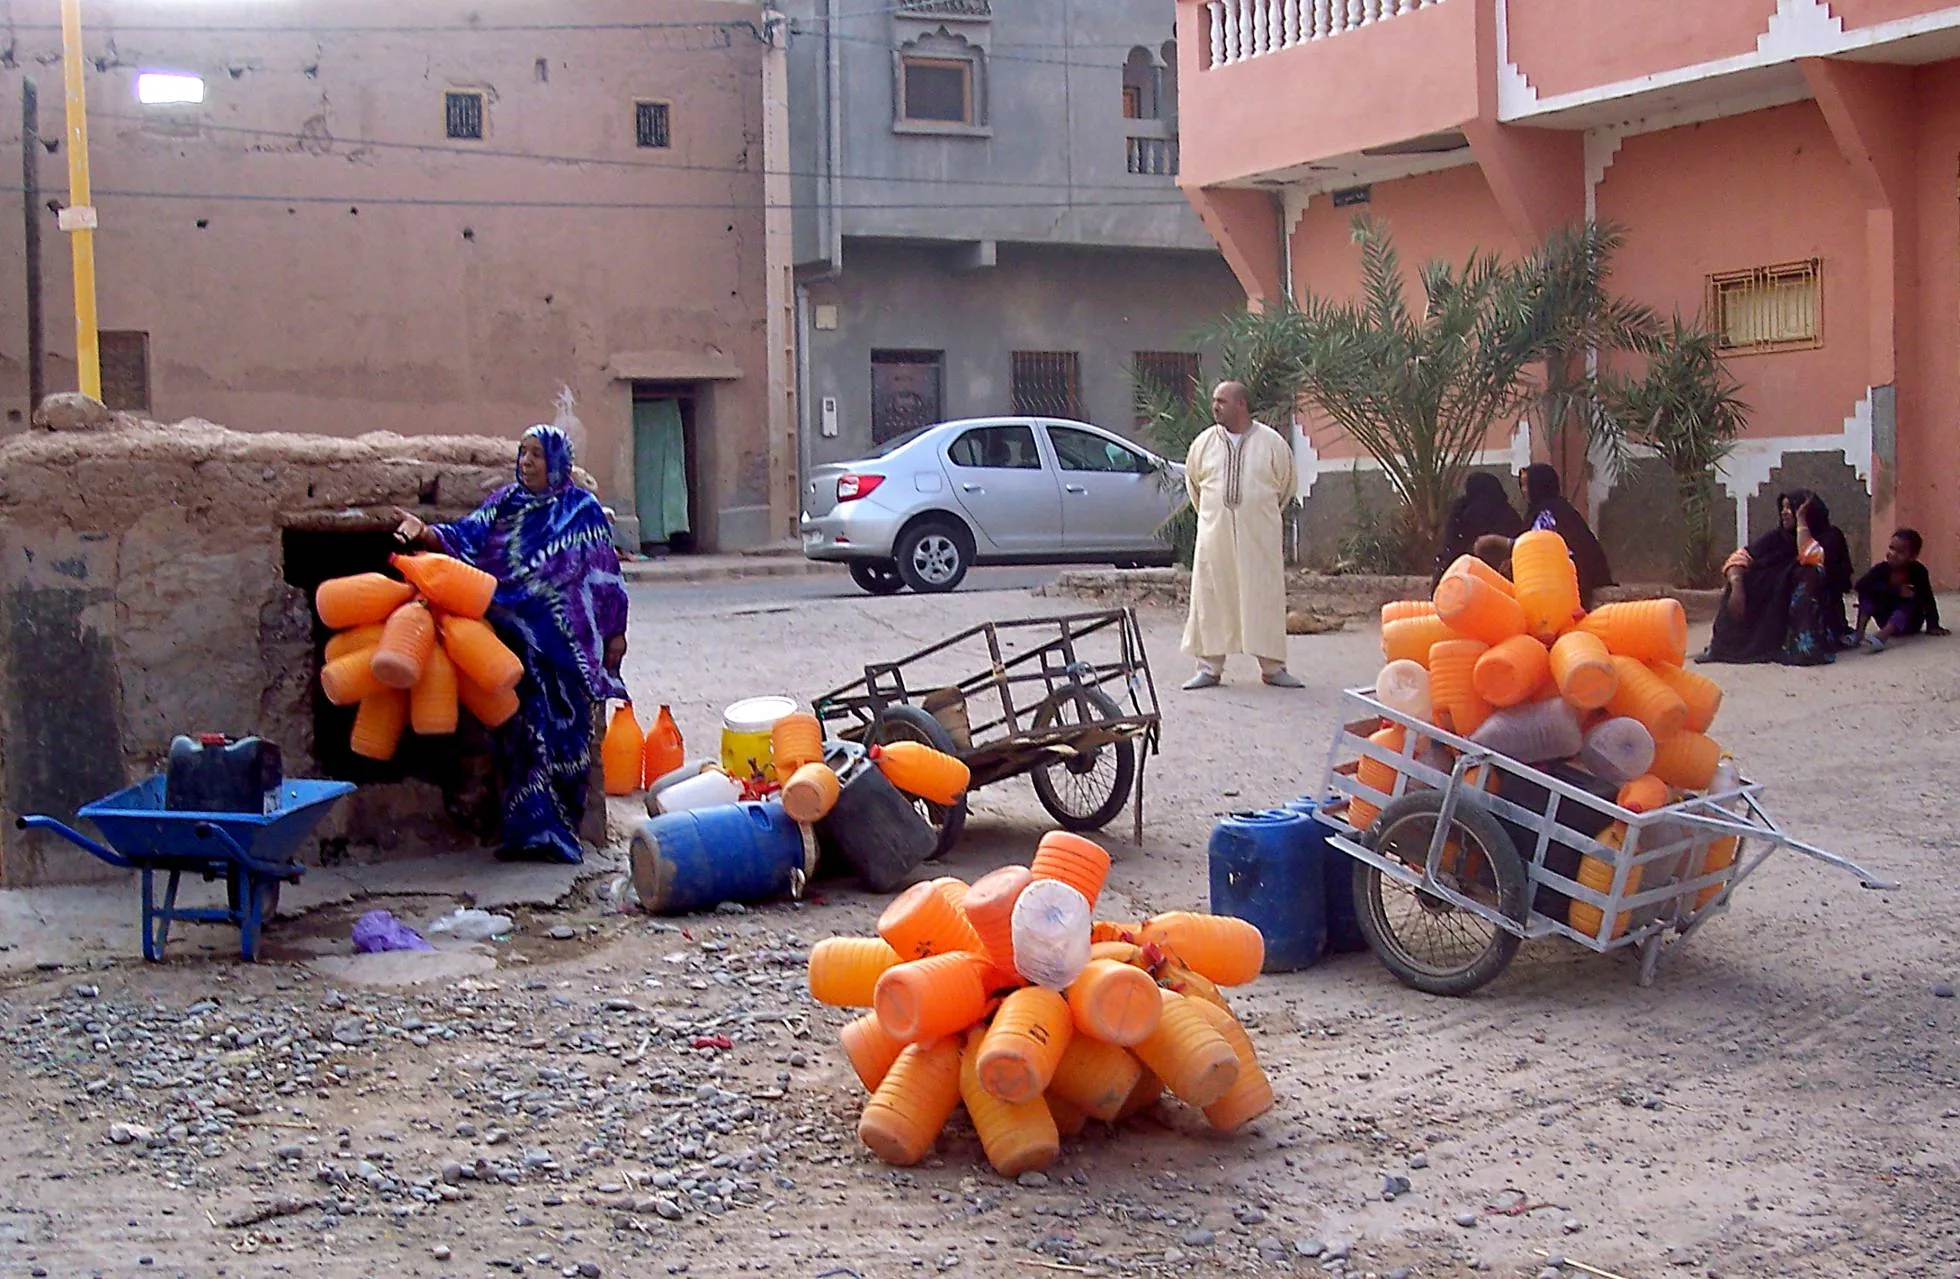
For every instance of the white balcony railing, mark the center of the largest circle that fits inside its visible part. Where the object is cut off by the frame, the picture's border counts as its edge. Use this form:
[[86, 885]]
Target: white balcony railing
[[1242, 29]]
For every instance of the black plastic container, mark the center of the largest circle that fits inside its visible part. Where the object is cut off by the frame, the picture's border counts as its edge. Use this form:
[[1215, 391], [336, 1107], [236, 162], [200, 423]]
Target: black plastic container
[[876, 830], [1562, 858], [211, 773]]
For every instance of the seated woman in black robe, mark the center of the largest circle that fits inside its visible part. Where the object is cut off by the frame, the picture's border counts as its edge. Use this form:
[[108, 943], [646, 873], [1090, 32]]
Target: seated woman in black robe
[[1546, 508], [1776, 606], [1482, 511]]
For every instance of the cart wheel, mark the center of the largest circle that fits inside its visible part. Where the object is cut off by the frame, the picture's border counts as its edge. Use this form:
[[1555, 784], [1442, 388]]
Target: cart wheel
[[1425, 941], [1086, 791], [910, 724]]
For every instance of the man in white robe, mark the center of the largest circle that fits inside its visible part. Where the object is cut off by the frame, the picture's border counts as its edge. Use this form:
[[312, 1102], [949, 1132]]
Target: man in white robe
[[1240, 477]]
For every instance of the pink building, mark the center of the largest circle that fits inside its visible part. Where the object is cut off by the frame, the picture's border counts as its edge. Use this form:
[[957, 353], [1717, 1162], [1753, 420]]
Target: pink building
[[1786, 166]]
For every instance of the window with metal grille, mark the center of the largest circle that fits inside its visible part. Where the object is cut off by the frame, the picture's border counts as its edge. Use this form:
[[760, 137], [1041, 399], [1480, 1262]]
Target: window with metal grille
[[1770, 308], [462, 115], [936, 91], [1048, 383], [650, 124], [125, 369], [1153, 157], [1171, 375]]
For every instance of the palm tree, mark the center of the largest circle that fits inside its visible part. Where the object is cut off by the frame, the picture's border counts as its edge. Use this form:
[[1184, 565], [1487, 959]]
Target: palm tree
[[1684, 408], [1564, 304], [1419, 389]]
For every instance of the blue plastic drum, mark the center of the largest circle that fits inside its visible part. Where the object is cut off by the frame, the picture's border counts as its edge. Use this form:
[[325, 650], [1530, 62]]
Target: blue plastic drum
[[696, 860], [1265, 869]]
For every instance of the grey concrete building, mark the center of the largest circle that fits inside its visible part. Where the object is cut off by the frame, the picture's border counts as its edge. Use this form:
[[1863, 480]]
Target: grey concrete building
[[986, 218]]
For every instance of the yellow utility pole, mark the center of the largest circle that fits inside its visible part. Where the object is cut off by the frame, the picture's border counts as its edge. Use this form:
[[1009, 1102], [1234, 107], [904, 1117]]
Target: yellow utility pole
[[78, 219]]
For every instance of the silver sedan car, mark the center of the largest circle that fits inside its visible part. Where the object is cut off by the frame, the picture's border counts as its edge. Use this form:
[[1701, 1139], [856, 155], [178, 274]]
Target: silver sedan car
[[928, 506]]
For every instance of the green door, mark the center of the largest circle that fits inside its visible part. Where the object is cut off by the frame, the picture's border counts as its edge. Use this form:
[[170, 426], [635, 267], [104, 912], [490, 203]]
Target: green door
[[659, 469]]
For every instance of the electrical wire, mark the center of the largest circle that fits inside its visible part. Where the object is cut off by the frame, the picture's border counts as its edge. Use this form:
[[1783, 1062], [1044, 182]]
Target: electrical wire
[[443, 28], [494, 202], [468, 151]]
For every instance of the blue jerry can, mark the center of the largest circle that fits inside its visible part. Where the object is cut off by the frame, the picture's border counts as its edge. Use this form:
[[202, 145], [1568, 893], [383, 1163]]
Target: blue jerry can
[[1344, 936], [1266, 870]]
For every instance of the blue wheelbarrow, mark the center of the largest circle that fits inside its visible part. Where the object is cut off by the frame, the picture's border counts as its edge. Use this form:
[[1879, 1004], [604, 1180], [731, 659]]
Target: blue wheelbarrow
[[255, 853]]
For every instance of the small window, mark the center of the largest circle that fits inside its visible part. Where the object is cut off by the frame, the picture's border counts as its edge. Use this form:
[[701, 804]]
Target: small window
[[1770, 308], [1079, 450], [936, 91], [997, 448], [125, 355], [1171, 374], [168, 89], [1132, 102], [1048, 383], [463, 115], [650, 125]]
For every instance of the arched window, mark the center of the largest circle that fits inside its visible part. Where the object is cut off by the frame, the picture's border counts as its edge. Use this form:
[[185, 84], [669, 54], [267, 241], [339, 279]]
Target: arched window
[[1141, 86]]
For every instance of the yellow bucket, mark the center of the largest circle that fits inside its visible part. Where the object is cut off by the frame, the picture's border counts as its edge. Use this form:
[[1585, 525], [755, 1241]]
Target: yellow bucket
[[746, 752]]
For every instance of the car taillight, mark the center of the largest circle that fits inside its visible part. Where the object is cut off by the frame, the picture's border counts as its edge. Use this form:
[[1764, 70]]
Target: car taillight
[[852, 487]]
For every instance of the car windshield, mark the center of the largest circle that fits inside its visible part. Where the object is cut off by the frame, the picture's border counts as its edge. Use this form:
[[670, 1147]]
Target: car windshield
[[896, 443]]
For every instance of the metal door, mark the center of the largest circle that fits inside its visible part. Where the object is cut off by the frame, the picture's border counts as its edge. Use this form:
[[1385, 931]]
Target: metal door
[[904, 392]]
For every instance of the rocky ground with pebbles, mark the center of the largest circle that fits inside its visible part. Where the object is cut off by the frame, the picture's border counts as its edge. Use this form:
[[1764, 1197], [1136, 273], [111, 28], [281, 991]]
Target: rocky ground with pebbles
[[607, 1094]]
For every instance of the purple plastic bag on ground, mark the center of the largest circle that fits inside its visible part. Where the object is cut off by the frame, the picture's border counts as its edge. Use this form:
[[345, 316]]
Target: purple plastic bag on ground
[[379, 930]]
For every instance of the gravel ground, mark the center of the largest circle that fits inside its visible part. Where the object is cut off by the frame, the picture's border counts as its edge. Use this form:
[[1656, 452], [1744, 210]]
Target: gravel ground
[[605, 1094]]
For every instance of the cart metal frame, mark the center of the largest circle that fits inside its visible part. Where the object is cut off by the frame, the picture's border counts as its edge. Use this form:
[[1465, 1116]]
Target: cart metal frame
[[1674, 840], [1060, 669]]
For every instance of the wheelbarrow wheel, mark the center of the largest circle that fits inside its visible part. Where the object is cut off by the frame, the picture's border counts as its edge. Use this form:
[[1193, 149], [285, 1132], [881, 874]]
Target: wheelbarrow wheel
[[910, 724], [1431, 944], [1085, 791]]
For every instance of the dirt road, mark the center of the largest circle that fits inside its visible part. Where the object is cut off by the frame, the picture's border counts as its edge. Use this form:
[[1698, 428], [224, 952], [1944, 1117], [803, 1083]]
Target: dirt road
[[611, 1095]]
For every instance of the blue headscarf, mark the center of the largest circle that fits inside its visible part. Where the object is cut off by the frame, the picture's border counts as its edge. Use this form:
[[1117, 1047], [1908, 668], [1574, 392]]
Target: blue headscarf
[[557, 458], [560, 591]]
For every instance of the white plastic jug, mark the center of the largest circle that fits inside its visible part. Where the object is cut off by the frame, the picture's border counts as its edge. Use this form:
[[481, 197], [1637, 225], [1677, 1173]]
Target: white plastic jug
[[711, 789], [1618, 750], [1051, 933], [1404, 686]]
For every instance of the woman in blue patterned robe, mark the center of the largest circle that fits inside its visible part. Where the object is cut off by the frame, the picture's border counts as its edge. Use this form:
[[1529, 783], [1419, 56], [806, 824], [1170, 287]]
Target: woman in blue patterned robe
[[561, 606]]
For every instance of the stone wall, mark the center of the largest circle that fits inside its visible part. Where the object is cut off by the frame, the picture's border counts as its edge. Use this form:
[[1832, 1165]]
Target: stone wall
[[1351, 597], [144, 592]]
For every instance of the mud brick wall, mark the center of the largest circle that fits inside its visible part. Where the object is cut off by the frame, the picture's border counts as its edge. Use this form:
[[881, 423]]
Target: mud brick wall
[[144, 593]]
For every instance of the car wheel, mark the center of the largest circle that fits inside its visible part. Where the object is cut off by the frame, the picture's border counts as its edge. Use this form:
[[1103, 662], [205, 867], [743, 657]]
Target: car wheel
[[877, 577], [933, 556]]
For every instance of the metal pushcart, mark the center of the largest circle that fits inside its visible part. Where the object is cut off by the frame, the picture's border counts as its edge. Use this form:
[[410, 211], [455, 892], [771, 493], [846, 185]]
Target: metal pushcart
[[253, 852], [1067, 701], [1473, 853]]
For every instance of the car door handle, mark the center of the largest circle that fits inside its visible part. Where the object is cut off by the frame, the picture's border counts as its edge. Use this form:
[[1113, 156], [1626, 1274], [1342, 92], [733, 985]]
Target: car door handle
[[971, 488], [1075, 488]]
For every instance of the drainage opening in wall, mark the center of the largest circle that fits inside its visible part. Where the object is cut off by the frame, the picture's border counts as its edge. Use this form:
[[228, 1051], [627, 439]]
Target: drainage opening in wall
[[459, 766]]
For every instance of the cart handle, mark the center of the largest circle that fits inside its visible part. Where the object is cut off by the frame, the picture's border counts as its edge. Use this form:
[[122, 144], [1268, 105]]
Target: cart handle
[[1748, 830], [75, 837], [206, 830]]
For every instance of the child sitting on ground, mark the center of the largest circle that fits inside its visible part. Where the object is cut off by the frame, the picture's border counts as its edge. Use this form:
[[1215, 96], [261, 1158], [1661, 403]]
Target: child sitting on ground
[[1494, 549], [1898, 594]]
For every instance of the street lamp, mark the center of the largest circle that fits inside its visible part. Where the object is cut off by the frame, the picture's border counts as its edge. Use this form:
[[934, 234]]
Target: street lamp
[[78, 219]]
